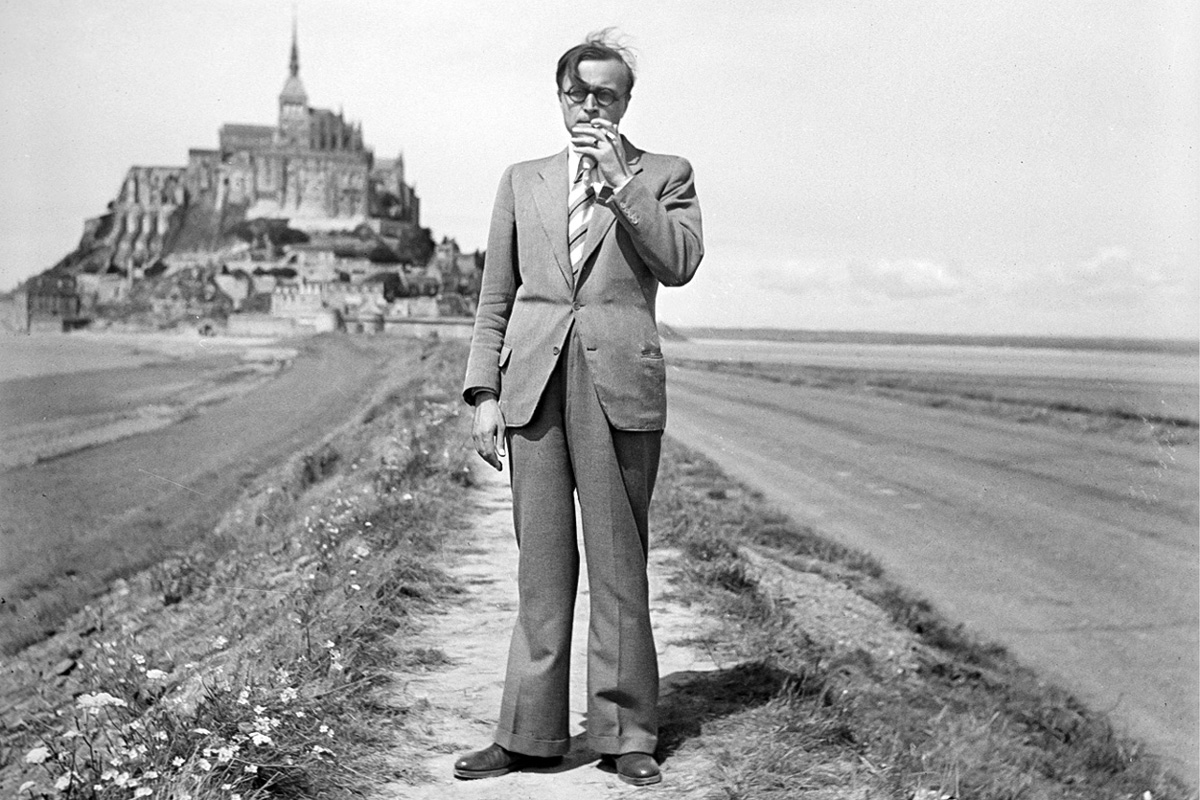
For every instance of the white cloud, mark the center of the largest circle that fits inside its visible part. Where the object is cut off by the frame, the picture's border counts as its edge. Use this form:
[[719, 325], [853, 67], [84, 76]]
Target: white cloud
[[907, 278], [799, 276], [895, 279], [1115, 272]]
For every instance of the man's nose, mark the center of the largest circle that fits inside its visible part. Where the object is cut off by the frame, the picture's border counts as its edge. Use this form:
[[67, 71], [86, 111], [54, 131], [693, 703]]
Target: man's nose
[[590, 105]]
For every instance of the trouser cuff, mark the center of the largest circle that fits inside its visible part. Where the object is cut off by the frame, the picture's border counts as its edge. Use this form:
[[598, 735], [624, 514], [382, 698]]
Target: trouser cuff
[[616, 745], [527, 745]]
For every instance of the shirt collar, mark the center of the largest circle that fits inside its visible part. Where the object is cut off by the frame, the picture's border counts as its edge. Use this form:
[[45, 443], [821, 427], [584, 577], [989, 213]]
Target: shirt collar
[[573, 157]]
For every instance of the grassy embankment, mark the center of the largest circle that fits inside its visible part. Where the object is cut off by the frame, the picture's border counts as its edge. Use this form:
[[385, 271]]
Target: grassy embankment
[[799, 715], [255, 663], [258, 664]]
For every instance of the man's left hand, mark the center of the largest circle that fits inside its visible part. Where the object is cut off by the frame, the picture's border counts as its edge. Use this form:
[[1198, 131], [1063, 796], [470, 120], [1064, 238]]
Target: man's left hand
[[600, 140]]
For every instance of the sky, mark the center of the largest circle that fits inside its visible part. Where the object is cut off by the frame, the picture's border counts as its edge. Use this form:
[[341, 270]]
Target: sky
[[967, 167]]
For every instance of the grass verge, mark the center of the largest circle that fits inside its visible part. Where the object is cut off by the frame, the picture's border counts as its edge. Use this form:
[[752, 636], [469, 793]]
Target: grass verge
[[810, 706], [254, 664]]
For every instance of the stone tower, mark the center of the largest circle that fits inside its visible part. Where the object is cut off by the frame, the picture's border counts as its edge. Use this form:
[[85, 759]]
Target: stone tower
[[293, 103]]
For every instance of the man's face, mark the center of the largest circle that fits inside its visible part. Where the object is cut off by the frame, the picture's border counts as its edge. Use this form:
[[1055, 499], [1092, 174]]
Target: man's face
[[601, 80]]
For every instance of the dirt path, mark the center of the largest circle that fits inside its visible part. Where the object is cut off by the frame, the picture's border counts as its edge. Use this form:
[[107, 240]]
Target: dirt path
[[464, 698]]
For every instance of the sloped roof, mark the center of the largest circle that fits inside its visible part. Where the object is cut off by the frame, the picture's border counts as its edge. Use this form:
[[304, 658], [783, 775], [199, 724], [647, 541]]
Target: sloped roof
[[293, 90]]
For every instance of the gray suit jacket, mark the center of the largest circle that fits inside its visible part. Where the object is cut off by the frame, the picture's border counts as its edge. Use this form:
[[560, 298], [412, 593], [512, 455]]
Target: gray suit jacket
[[647, 234]]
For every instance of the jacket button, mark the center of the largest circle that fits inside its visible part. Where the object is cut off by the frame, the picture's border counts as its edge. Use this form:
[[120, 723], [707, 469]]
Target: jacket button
[[555, 351], [577, 306]]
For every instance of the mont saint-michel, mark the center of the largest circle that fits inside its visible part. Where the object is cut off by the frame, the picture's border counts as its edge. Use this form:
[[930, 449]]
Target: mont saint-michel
[[292, 225]]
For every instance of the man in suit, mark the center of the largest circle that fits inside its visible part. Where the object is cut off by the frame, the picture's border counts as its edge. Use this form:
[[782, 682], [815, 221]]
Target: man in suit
[[566, 371]]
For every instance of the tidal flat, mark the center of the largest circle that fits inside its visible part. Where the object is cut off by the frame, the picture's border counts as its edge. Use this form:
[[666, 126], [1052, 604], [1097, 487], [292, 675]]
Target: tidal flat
[[120, 449]]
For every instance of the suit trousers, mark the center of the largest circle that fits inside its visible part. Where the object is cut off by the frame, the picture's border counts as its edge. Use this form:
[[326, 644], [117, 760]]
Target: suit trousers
[[568, 447]]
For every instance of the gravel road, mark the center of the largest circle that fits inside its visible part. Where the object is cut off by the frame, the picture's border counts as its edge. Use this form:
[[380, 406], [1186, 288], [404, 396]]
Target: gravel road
[[1077, 551]]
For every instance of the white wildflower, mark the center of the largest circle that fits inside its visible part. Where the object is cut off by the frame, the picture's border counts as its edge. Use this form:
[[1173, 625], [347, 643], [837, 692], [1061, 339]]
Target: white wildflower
[[250, 769], [225, 754], [156, 675], [259, 710], [204, 764], [243, 697], [287, 695], [63, 782], [150, 775], [144, 791], [260, 738], [99, 700], [220, 642], [355, 587], [177, 762], [37, 755], [139, 659]]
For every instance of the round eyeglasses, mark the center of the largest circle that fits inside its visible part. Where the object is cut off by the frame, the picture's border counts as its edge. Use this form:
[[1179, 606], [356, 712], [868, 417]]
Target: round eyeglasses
[[578, 95]]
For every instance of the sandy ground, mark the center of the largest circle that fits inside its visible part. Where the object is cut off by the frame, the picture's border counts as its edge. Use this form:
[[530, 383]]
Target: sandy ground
[[70, 524], [465, 698], [60, 393]]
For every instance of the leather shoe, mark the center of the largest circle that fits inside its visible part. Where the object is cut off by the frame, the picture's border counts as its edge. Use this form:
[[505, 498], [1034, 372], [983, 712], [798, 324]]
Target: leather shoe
[[637, 769], [494, 760]]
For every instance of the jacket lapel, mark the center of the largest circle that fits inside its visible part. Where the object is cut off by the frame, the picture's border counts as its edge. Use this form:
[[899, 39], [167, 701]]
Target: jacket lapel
[[550, 196]]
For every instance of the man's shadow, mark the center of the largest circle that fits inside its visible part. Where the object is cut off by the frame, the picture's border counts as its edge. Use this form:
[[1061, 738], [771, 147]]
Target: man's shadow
[[690, 700]]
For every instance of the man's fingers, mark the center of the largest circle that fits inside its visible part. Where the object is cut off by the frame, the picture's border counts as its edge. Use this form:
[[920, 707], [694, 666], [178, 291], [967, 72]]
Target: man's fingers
[[488, 453]]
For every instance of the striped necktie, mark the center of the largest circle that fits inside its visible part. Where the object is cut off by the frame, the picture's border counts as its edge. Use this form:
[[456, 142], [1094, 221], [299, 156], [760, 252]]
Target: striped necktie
[[579, 212]]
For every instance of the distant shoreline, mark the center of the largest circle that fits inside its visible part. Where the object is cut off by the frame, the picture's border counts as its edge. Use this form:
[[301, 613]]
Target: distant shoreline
[[1119, 344]]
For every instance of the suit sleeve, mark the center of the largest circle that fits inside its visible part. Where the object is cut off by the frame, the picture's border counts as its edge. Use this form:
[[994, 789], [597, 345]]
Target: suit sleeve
[[497, 291], [665, 230]]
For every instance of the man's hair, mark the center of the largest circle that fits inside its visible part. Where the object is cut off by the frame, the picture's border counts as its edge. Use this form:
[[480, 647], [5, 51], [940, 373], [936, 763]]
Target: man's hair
[[599, 46]]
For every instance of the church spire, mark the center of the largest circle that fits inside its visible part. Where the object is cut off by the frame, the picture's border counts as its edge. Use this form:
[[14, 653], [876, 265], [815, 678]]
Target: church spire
[[294, 63], [293, 100]]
